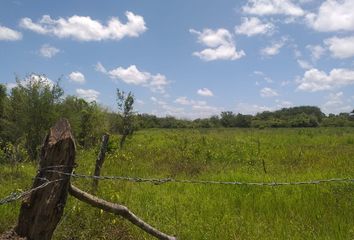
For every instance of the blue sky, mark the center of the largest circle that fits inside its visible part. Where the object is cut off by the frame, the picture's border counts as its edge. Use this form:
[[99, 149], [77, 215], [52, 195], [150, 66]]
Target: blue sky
[[186, 58]]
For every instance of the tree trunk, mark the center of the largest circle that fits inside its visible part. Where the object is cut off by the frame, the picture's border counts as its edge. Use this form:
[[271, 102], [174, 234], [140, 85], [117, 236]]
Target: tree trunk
[[41, 211]]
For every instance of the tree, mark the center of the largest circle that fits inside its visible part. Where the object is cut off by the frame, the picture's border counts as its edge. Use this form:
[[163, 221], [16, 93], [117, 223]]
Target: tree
[[3, 98], [125, 104], [32, 110], [227, 119]]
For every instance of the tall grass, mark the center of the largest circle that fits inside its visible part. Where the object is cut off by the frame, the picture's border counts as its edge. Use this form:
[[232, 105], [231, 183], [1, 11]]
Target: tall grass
[[192, 211]]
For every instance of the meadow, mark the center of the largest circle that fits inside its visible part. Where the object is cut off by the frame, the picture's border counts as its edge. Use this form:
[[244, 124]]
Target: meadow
[[202, 211]]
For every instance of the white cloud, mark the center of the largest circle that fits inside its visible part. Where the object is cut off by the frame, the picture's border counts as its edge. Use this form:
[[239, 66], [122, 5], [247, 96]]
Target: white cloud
[[316, 80], [132, 75], [198, 108], [158, 83], [341, 47], [206, 110], [205, 92], [100, 68], [186, 101], [333, 15], [34, 78], [8, 34], [83, 28], [195, 109], [166, 109], [268, 92], [273, 7], [316, 51], [254, 26], [48, 51], [182, 101], [77, 77], [304, 64], [336, 104], [264, 76], [220, 45], [89, 95], [246, 108], [272, 50]]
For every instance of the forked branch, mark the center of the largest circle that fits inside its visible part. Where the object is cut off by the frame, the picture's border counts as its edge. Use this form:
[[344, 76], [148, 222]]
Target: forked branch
[[118, 210]]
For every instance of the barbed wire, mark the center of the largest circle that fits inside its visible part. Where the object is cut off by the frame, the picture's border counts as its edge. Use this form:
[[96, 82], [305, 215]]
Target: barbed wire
[[158, 181], [14, 196]]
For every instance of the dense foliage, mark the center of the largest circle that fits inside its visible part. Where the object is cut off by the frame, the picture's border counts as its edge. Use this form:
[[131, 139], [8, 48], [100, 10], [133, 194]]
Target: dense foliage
[[35, 103]]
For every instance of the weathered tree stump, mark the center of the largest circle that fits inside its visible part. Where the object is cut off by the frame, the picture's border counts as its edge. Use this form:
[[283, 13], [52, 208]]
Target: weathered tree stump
[[42, 209]]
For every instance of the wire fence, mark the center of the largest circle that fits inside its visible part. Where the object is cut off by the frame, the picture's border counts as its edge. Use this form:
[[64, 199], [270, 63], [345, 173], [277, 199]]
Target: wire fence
[[158, 181], [14, 196]]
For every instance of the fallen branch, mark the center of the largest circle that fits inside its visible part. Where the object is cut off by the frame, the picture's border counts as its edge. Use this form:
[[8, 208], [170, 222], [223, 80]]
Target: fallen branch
[[118, 210]]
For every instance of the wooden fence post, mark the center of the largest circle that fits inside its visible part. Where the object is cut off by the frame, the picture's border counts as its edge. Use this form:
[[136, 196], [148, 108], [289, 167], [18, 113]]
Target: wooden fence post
[[42, 209], [100, 160]]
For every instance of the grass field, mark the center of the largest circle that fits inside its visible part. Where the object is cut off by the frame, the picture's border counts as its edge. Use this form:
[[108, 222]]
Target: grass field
[[191, 211]]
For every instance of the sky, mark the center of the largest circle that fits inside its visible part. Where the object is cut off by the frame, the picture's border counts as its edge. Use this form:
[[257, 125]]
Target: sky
[[186, 58]]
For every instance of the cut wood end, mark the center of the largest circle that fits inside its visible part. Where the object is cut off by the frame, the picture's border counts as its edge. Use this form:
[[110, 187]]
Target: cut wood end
[[60, 131]]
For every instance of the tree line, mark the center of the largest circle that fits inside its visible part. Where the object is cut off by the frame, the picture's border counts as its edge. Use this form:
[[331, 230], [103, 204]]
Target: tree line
[[30, 108]]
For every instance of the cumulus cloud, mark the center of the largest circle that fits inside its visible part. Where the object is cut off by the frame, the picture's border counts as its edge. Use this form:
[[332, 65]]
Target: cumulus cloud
[[187, 101], [220, 45], [316, 80], [246, 108], [273, 7], [332, 16], [77, 77], [168, 109], [100, 68], [205, 92], [33, 79], [254, 26], [316, 51], [268, 92], [83, 28], [48, 51], [336, 104], [8, 34], [341, 47], [263, 75], [304, 64], [195, 109], [272, 50], [89, 95], [132, 75], [206, 110]]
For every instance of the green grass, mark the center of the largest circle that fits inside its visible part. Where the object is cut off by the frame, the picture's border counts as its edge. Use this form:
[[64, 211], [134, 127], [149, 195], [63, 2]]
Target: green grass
[[192, 211]]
